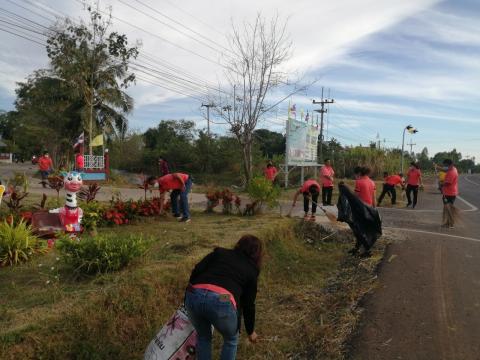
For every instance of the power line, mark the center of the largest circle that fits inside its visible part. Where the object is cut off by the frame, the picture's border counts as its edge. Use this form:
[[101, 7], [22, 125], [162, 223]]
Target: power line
[[194, 17], [156, 35], [24, 37], [178, 23]]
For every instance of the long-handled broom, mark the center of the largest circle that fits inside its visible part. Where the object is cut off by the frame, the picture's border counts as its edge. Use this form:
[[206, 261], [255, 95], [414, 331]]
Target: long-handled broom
[[331, 217]]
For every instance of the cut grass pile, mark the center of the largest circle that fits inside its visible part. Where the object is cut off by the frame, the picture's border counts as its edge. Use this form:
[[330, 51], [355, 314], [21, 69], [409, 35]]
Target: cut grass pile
[[305, 306]]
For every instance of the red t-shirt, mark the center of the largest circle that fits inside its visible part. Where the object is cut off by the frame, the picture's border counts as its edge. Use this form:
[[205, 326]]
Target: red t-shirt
[[450, 184], [324, 172], [170, 182], [306, 186], [393, 180], [79, 161], [413, 177], [365, 189], [270, 172], [45, 163]]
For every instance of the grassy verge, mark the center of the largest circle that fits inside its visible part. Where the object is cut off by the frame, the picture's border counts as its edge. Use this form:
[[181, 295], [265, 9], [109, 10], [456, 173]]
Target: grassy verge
[[306, 302]]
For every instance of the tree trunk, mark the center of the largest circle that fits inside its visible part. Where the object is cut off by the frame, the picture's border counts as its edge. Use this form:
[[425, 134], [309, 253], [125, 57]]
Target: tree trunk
[[247, 161]]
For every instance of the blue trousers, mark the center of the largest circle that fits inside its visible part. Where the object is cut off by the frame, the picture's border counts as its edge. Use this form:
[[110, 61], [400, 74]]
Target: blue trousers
[[175, 194], [206, 308]]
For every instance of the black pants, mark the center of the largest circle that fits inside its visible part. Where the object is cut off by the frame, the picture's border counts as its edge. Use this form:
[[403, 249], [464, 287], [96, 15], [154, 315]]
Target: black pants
[[449, 199], [410, 189], [327, 195], [306, 202], [388, 189]]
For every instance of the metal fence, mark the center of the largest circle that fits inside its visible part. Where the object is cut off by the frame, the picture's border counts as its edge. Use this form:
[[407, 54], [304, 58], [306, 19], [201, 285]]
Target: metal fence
[[94, 162]]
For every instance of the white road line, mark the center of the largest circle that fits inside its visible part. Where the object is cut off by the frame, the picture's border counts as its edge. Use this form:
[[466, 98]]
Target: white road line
[[472, 207], [432, 233], [470, 181]]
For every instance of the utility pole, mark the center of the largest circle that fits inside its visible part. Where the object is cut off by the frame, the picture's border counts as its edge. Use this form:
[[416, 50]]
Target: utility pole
[[208, 106], [411, 144], [322, 111]]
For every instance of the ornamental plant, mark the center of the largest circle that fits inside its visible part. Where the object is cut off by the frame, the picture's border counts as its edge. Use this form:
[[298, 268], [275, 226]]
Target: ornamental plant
[[102, 253], [17, 243], [227, 200], [262, 193], [213, 199]]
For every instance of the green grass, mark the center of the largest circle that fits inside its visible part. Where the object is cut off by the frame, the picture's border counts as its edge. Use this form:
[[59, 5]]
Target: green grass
[[48, 314]]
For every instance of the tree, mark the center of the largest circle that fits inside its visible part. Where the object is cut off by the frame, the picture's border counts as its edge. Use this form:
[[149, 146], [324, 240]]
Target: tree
[[258, 50], [270, 142], [94, 64]]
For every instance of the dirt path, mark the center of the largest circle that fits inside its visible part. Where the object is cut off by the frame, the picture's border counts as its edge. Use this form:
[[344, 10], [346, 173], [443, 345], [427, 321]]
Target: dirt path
[[427, 305]]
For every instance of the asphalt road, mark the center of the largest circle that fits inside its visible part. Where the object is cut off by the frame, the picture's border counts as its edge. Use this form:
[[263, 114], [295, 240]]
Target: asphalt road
[[427, 305]]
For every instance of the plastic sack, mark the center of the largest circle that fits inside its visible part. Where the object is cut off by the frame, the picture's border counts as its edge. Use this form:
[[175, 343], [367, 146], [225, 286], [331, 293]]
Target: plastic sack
[[176, 340], [364, 220]]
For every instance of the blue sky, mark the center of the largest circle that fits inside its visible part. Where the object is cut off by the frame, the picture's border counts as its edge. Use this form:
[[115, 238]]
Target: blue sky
[[387, 63]]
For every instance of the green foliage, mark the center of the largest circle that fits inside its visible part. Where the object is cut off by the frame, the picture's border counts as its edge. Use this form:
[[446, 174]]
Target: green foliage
[[262, 192], [93, 214], [102, 253], [17, 243], [94, 64]]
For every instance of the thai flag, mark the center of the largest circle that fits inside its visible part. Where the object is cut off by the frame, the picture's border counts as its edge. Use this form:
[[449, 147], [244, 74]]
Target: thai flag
[[79, 140]]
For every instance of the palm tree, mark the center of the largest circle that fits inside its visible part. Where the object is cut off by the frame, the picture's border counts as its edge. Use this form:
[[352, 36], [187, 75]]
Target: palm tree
[[94, 63]]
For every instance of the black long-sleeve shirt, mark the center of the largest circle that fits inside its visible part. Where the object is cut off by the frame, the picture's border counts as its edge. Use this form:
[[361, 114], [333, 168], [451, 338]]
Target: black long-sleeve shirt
[[235, 272]]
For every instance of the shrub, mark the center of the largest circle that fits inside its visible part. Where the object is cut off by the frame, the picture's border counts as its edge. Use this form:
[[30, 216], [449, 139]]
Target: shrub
[[17, 243], [262, 192], [93, 214], [89, 193], [102, 253]]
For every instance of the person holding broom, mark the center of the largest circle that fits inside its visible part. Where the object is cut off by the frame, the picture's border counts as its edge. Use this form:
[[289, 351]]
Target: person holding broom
[[310, 188], [449, 192], [390, 182]]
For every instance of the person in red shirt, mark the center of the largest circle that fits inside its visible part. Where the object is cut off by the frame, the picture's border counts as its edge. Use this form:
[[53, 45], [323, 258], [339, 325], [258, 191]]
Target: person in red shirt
[[326, 178], [270, 172], [309, 188], [45, 165], [364, 186], [389, 186], [414, 181], [79, 161], [449, 192], [179, 185]]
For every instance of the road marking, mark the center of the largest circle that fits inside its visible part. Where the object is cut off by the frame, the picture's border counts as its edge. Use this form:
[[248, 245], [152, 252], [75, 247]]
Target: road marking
[[433, 233], [470, 181], [472, 207]]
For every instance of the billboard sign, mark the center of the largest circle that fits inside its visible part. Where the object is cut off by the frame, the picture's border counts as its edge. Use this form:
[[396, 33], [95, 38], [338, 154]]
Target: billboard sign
[[302, 141]]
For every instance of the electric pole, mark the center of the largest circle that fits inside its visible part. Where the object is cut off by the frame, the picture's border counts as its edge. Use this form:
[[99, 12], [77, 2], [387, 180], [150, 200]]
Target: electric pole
[[322, 111], [208, 106], [411, 144]]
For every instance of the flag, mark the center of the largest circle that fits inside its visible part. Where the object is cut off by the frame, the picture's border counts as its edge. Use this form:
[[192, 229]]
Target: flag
[[97, 140], [293, 112], [80, 140]]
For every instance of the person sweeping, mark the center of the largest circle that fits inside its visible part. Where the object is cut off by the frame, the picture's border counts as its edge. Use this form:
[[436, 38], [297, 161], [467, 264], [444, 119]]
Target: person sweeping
[[390, 182], [310, 188], [326, 178], [449, 192]]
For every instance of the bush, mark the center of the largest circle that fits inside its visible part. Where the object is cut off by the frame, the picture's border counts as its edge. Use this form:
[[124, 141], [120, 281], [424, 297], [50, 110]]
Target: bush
[[262, 192], [17, 243], [102, 253], [93, 214]]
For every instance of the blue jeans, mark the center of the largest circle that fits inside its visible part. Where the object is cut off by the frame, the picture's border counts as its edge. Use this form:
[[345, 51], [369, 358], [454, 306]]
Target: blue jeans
[[183, 200], [206, 308]]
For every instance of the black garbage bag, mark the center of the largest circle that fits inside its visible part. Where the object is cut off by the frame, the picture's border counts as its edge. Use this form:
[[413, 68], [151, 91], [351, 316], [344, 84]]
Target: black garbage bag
[[364, 220]]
